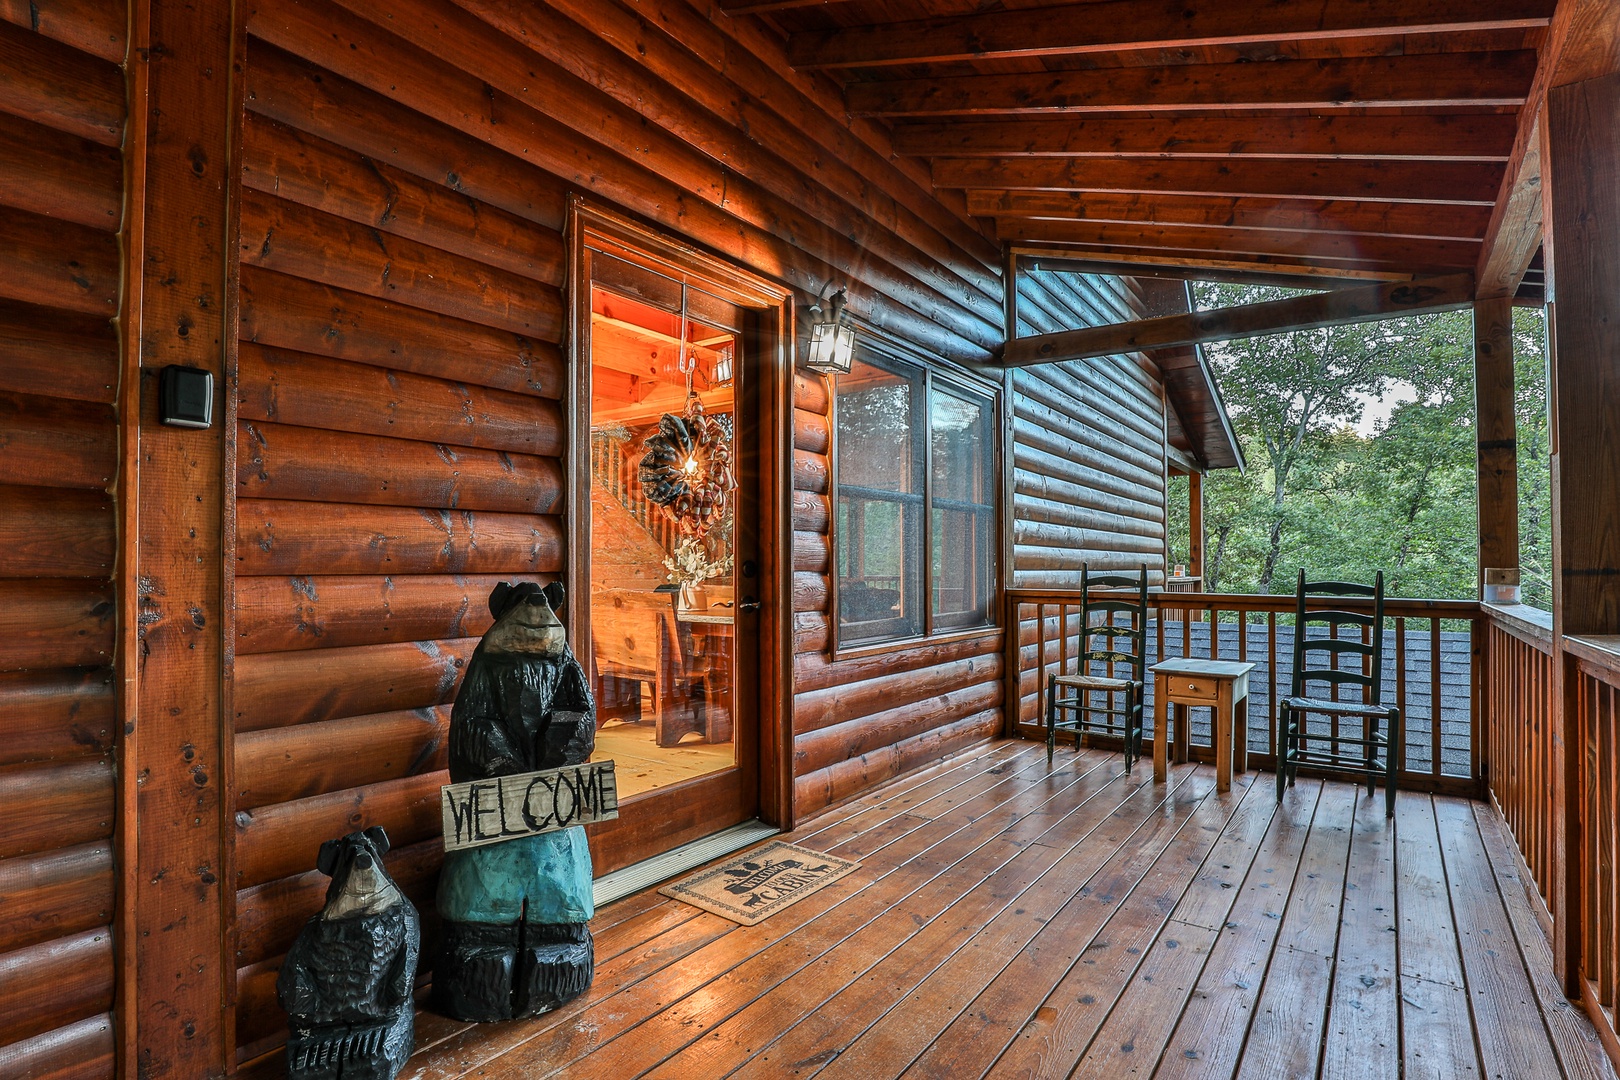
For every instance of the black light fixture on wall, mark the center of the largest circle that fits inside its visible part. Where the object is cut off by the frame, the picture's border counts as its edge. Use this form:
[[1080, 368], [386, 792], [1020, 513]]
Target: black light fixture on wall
[[832, 340]]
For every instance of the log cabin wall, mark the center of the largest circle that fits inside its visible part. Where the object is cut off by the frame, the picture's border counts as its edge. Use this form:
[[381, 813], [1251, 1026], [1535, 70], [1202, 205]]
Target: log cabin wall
[[1088, 481], [405, 173], [1089, 442], [62, 121]]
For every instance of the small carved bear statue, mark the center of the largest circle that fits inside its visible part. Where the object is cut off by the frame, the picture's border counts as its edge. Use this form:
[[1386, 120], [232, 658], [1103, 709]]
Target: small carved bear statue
[[516, 940], [347, 980]]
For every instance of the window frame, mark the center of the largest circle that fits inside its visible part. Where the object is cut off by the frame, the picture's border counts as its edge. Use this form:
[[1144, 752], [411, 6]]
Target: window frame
[[877, 349]]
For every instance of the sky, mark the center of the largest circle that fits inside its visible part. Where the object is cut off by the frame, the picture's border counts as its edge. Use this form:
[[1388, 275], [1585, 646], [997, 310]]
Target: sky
[[1376, 410]]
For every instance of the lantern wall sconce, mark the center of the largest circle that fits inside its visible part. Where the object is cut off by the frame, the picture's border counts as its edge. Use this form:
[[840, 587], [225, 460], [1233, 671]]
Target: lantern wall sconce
[[832, 340]]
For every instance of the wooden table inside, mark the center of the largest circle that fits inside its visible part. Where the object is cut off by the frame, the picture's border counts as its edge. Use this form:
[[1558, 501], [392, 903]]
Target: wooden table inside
[[1220, 684]]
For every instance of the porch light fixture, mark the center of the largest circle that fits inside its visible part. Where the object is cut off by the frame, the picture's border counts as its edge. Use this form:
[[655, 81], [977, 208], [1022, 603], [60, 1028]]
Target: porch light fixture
[[832, 341]]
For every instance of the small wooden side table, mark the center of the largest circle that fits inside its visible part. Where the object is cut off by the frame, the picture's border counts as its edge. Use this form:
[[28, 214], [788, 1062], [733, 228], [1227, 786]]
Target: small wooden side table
[[1220, 684]]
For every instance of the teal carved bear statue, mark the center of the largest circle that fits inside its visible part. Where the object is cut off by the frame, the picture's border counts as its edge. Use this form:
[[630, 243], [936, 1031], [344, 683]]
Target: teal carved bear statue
[[515, 937]]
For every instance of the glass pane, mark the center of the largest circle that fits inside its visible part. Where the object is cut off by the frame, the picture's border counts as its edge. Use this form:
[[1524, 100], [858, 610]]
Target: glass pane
[[661, 623], [880, 505], [964, 509]]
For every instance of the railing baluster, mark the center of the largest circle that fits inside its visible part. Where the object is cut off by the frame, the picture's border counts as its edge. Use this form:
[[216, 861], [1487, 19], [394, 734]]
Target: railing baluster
[[1243, 657], [1400, 686], [1434, 698], [1271, 697]]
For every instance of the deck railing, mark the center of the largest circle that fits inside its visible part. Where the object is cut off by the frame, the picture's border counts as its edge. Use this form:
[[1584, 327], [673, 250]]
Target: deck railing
[[1432, 669], [1593, 671], [1523, 722], [1519, 729]]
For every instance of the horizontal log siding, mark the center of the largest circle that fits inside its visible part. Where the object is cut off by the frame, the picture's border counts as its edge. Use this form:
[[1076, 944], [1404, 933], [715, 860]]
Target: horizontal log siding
[[1088, 444], [401, 438], [61, 205], [400, 442]]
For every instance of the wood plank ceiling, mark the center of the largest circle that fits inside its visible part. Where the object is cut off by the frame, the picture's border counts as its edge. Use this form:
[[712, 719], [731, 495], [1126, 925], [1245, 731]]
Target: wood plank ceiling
[[1340, 137]]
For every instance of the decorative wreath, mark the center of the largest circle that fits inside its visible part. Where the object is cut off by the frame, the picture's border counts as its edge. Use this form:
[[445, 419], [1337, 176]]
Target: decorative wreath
[[687, 469]]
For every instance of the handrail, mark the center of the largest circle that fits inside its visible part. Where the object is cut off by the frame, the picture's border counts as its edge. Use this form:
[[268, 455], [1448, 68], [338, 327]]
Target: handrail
[[1281, 603], [1601, 652], [1528, 624]]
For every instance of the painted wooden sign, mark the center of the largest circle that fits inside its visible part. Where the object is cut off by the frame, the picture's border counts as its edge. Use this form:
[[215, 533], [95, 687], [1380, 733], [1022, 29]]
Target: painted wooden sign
[[488, 811]]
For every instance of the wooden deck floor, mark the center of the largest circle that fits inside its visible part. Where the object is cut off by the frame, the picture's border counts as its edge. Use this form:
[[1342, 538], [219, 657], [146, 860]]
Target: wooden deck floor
[[1011, 921]]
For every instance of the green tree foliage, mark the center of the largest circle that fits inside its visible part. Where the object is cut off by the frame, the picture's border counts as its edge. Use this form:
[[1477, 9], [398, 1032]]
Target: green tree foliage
[[1320, 495]]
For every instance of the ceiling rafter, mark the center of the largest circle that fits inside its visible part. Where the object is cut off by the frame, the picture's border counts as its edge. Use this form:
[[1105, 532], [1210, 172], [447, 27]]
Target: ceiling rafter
[[1468, 137], [1419, 254], [1120, 25], [1439, 220], [1433, 80], [1430, 181]]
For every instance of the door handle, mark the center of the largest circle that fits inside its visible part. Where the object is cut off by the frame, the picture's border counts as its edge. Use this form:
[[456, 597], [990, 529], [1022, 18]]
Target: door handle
[[748, 603]]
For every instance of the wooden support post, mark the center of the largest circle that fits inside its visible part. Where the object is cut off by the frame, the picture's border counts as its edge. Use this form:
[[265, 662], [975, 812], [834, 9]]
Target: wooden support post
[[1497, 435], [1581, 185], [1195, 524], [175, 1003]]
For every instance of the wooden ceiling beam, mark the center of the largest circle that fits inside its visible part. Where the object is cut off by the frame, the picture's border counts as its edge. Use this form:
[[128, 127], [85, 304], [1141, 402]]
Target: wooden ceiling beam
[[754, 7], [1240, 269], [1459, 221], [1414, 255], [1249, 269], [1432, 137], [1364, 304], [1583, 42], [1434, 80], [1418, 181], [1119, 25]]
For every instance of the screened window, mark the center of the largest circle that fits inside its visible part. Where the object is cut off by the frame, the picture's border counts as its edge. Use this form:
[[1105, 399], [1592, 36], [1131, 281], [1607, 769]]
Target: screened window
[[915, 534]]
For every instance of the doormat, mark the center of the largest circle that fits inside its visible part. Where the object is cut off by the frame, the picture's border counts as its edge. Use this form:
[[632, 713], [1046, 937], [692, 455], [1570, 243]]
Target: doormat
[[757, 884]]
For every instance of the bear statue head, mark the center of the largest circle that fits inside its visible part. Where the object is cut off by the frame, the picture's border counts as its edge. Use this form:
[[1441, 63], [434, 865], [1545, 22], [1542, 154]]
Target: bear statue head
[[526, 623], [360, 885]]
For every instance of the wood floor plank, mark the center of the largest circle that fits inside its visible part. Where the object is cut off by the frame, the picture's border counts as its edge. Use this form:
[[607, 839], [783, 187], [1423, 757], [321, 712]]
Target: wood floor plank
[[973, 1041], [1428, 933], [1363, 1024], [1208, 1039], [1138, 1028], [1311, 921], [473, 1045], [873, 809], [860, 978], [1060, 1032], [1285, 1036], [1285, 1039], [949, 846], [905, 1031], [1011, 919], [1437, 1034], [1513, 1040], [1573, 1038]]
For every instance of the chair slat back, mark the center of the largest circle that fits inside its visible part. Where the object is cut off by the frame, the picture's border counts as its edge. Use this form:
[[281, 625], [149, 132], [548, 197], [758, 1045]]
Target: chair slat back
[[1132, 633], [1330, 647]]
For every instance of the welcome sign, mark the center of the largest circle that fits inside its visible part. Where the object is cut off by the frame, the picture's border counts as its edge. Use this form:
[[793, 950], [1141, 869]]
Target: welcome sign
[[488, 811]]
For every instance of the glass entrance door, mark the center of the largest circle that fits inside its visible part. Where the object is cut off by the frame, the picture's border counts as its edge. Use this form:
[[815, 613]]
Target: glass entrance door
[[668, 484]]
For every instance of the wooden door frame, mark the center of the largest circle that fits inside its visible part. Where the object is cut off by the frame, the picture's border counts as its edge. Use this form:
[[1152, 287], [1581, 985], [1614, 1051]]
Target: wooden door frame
[[591, 227]]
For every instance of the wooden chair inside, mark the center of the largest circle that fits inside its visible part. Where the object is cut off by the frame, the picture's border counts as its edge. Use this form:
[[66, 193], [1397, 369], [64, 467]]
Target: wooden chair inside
[[1106, 691], [1318, 661]]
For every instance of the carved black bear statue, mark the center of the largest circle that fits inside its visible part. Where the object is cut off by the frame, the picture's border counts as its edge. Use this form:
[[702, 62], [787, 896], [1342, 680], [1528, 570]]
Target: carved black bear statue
[[347, 980], [516, 939]]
